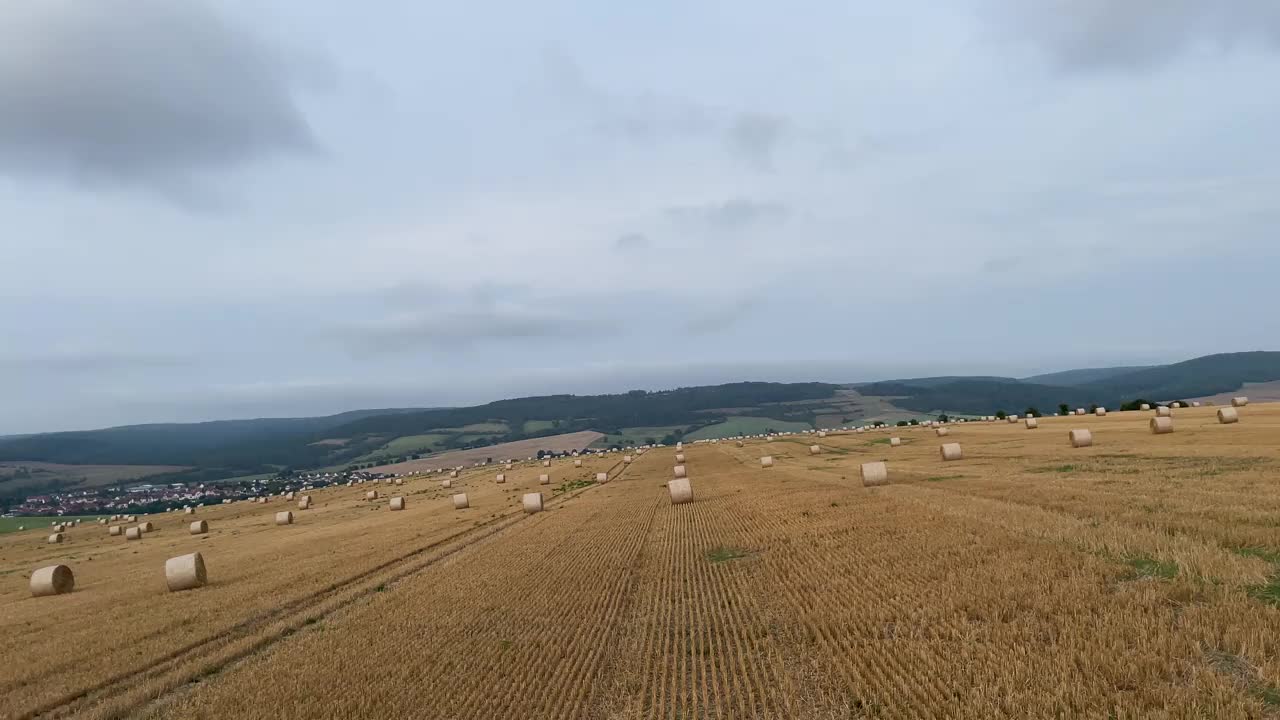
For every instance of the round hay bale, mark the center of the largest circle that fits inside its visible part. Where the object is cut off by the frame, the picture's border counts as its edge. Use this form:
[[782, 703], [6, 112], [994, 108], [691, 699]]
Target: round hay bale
[[1031, 423], [1161, 425], [502, 477], [544, 479], [680, 471], [532, 502], [1227, 416], [52, 580], [288, 495], [371, 495], [114, 530], [577, 463], [1195, 403], [56, 538], [815, 449], [1011, 418], [304, 502], [284, 517], [1079, 411], [1163, 411], [185, 572], [741, 444], [189, 511], [199, 527], [102, 521], [397, 503], [1144, 407], [626, 459], [875, 473], [1100, 412], [679, 458], [601, 477], [766, 461], [1175, 404], [399, 481], [453, 474], [942, 432], [951, 451], [460, 502], [895, 442], [1239, 401], [146, 527], [1081, 438], [546, 463], [133, 533], [681, 490]]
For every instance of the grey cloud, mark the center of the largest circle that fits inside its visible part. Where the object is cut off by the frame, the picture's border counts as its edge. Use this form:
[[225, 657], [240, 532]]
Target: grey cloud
[[631, 241], [1098, 34], [755, 137], [140, 92], [648, 117], [735, 214], [90, 361]]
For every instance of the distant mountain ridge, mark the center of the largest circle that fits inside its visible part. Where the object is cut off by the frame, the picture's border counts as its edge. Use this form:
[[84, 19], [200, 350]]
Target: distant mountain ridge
[[1208, 375], [1084, 376], [228, 448]]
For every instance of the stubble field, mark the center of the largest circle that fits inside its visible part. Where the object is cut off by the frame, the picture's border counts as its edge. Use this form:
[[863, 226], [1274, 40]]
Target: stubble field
[[1132, 579]]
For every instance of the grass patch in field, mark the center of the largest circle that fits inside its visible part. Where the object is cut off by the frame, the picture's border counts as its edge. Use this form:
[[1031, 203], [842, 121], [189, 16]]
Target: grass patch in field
[[572, 485], [1270, 556], [725, 554], [940, 478], [1055, 469], [533, 426], [883, 441], [1144, 567]]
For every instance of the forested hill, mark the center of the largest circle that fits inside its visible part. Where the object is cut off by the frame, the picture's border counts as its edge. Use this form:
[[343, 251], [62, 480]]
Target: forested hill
[[1202, 376], [258, 445]]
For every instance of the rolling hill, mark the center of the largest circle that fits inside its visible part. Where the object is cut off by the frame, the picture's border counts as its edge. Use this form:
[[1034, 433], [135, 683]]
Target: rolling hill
[[223, 449]]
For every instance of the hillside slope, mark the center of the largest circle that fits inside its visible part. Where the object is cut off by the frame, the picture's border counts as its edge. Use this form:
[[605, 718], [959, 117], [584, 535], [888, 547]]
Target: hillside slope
[[1202, 376]]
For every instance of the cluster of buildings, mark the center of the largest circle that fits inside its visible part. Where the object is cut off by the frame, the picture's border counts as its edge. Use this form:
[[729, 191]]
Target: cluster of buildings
[[148, 498]]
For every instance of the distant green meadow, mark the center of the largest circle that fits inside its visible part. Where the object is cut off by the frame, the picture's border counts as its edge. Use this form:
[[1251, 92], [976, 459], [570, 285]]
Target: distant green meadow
[[11, 524]]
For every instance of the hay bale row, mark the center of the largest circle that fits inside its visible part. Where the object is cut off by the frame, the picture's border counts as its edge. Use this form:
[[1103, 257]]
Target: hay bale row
[[875, 473], [532, 502], [681, 490], [52, 580]]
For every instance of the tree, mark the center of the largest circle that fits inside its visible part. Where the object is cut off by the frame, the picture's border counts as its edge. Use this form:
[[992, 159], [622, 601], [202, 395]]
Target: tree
[[903, 423], [1093, 408], [1033, 412], [1000, 415], [1064, 409], [942, 418]]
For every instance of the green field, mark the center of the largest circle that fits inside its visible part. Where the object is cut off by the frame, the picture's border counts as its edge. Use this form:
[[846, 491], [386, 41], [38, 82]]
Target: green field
[[10, 524], [533, 426], [746, 426], [407, 445], [637, 435]]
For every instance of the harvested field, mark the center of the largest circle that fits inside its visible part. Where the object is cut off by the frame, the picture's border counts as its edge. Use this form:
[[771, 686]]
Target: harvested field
[[1136, 578], [518, 449]]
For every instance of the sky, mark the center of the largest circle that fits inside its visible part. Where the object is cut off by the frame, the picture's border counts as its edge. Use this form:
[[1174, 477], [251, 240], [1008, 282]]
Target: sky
[[227, 208]]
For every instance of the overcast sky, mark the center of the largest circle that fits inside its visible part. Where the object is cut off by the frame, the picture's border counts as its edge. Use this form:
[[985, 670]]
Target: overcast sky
[[230, 208]]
